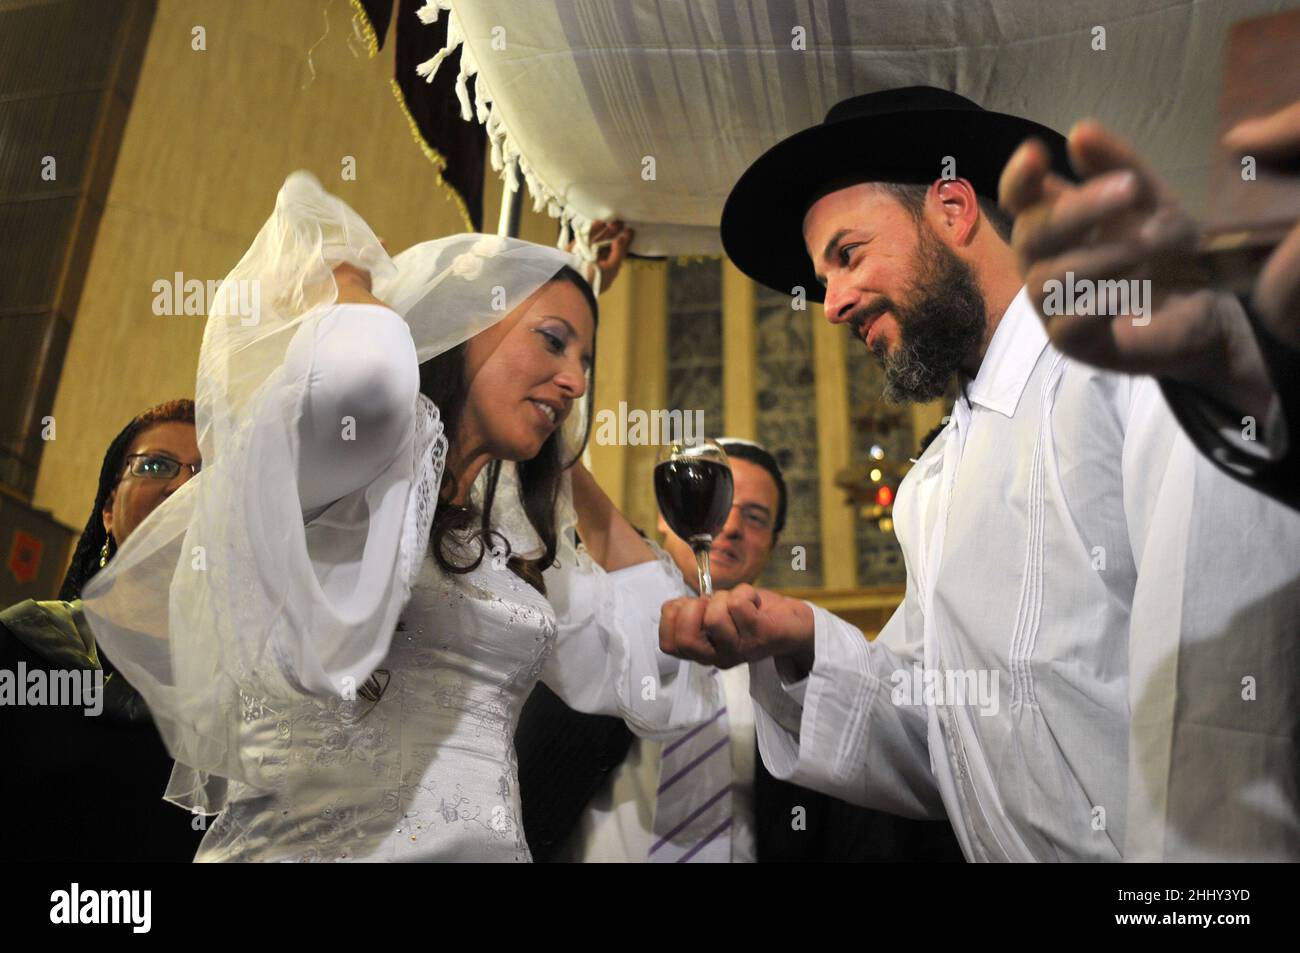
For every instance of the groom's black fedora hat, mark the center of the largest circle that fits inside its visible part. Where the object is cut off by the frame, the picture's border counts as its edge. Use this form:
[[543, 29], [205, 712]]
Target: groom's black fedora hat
[[896, 135]]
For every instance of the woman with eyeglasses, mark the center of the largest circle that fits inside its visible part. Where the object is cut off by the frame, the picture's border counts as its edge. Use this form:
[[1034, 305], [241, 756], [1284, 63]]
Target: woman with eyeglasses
[[85, 781]]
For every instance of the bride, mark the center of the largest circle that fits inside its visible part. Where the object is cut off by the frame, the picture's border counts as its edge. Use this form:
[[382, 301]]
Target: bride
[[336, 623]]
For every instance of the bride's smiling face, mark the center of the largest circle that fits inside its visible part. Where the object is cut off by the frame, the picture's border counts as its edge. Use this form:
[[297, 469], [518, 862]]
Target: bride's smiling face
[[526, 372]]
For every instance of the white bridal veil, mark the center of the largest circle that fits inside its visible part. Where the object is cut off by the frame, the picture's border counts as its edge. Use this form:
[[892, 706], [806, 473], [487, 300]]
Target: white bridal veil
[[199, 607]]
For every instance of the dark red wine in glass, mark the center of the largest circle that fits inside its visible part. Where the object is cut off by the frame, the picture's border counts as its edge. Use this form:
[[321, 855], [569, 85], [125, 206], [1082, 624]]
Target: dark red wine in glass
[[693, 485]]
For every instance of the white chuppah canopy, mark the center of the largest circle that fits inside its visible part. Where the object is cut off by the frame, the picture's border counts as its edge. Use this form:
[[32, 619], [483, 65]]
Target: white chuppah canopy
[[649, 110]]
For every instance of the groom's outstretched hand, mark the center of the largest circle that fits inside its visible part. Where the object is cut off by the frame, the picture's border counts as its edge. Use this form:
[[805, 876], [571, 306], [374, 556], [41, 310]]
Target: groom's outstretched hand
[[740, 625], [1275, 141], [1120, 223]]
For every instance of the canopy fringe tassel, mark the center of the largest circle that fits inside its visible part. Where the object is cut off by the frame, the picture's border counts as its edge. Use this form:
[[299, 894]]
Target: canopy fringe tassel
[[574, 227]]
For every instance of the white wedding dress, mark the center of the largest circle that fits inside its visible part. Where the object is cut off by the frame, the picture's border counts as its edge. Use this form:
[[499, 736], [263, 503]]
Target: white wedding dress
[[326, 690], [428, 772], [317, 586]]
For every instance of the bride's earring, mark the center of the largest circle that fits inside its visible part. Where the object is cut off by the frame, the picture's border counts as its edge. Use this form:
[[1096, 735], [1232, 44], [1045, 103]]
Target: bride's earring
[[104, 552]]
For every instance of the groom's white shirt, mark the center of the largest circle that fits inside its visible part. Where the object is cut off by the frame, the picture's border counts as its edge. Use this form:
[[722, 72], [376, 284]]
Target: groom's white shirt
[[1136, 609]]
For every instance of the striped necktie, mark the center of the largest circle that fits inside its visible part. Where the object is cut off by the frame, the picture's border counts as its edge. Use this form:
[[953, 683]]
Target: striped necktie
[[693, 813]]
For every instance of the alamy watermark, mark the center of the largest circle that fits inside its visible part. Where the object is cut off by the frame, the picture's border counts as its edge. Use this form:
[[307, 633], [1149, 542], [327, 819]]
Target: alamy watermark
[[1084, 296], [192, 296], [130, 907], [640, 428], [76, 688], [974, 688]]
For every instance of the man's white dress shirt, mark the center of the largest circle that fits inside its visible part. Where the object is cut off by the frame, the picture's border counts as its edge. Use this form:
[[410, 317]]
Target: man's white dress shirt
[[1129, 612]]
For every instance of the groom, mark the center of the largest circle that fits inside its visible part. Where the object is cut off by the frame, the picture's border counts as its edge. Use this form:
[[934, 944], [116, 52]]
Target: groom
[[1094, 658]]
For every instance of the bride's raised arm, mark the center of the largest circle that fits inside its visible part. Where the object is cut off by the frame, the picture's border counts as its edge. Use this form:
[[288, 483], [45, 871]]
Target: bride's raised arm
[[362, 382], [610, 539]]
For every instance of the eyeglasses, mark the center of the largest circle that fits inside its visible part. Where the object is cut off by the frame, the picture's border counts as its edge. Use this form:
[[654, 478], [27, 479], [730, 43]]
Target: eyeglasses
[[154, 466]]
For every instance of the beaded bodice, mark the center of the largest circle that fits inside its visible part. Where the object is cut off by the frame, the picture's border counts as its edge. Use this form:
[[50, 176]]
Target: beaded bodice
[[428, 771]]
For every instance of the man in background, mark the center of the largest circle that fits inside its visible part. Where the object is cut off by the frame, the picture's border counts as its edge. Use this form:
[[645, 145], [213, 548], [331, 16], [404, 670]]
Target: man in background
[[592, 792]]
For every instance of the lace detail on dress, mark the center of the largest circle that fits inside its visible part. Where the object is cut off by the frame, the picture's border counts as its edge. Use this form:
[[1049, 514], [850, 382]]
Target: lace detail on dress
[[430, 456], [428, 772], [665, 561]]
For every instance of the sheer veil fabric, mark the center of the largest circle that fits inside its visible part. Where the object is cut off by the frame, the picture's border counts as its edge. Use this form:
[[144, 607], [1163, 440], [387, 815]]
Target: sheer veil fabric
[[204, 607]]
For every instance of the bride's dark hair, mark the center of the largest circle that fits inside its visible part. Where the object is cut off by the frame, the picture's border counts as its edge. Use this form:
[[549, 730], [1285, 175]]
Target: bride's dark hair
[[442, 380]]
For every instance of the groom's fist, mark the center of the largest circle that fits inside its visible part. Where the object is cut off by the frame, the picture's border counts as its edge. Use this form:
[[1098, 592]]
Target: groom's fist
[[743, 624]]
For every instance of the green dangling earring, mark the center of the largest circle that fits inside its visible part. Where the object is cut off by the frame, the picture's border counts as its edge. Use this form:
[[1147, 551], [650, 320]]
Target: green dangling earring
[[104, 552]]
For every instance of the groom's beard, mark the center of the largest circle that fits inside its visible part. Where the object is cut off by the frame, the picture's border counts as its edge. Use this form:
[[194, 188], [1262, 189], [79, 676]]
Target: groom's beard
[[940, 324]]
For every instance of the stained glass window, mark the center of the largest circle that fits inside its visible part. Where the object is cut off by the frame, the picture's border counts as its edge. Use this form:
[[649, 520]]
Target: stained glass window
[[887, 428], [787, 426]]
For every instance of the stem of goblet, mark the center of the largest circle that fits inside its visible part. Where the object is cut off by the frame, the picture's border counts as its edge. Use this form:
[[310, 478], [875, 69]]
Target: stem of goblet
[[701, 547]]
